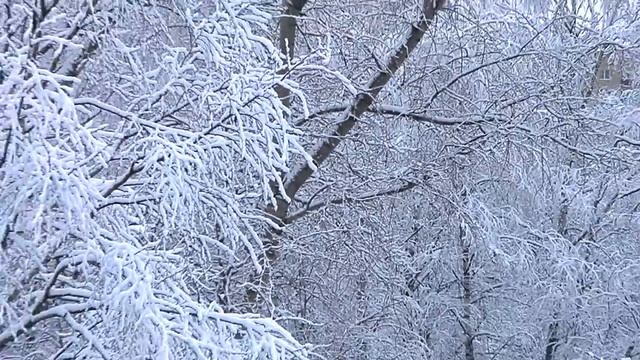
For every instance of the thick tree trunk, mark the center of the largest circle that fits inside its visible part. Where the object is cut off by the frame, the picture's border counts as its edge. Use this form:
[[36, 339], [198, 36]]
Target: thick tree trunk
[[363, 100], [350, 116], [552, 341], [287, 40], [467, 289]]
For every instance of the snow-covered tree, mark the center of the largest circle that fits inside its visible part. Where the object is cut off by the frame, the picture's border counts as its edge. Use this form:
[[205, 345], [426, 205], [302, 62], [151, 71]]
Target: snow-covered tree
[[393, 180], [432, 229], [138, 141]]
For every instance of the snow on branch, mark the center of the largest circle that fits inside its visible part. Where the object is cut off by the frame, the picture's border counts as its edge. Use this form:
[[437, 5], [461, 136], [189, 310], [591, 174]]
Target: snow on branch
[[130, 132]]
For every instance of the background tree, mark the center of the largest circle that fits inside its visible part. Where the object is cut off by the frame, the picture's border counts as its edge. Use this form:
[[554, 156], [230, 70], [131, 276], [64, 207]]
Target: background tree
[[137, 139], [385, 254]]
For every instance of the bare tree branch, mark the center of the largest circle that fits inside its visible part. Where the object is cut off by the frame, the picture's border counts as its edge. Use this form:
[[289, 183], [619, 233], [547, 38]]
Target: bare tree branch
[[399, 111], [313, 206]]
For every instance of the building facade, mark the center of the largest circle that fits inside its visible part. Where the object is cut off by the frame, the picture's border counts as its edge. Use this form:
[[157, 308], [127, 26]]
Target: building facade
[[615, 72]]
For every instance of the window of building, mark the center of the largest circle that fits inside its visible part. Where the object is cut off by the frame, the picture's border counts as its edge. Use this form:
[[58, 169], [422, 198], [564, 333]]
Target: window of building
[[627, 78], [606, 74]]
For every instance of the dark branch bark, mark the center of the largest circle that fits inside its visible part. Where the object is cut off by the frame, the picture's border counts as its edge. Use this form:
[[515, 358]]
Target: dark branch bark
[[552, 342], [312, 206], [350, 117], [364, 100], [287, 39], [396, 111], [287, 36]]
